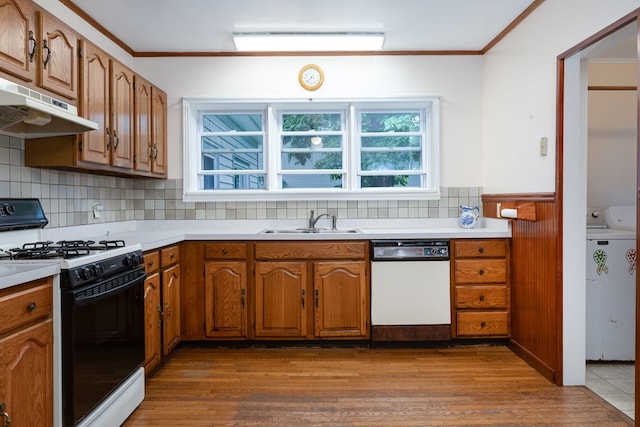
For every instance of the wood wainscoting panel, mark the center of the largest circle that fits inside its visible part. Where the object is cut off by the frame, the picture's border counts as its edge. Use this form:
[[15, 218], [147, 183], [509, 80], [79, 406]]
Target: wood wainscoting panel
[[536, 296]]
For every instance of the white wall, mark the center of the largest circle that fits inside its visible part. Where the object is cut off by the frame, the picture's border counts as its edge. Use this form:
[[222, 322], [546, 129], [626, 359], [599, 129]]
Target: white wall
[[456, 79], [519, 105], [611, 154]]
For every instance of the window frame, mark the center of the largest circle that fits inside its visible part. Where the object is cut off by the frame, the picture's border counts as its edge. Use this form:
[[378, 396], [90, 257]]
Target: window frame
[[272, 110]]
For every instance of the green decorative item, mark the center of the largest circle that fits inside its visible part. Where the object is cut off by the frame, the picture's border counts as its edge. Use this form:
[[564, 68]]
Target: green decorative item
[[600, 258]]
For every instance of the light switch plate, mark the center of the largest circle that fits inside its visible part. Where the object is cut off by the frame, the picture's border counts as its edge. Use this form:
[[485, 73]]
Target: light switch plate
[[544, 146]]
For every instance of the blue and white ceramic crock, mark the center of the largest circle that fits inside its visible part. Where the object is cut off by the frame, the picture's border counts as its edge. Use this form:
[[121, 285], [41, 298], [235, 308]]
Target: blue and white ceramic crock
[[468, 216]]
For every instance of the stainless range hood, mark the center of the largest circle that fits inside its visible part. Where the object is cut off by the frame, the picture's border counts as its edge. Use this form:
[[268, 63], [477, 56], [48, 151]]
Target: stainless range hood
[[26, 113]]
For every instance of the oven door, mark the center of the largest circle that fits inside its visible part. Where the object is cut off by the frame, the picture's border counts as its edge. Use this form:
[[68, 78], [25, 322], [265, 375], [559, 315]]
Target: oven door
[[102, 340]]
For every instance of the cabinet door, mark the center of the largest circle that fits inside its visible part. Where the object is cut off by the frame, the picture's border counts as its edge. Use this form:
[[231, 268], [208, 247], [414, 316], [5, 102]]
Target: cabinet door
[[153, 323], [17, 38], [159, 132], [225, 299], [122, 115], [340, 299], [281, 299], [171, 308], [57, 69], [94, 102], [26, 369], [142, 137]]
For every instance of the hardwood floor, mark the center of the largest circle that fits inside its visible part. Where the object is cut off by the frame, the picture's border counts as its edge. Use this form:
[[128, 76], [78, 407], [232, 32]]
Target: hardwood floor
[[361, 387]]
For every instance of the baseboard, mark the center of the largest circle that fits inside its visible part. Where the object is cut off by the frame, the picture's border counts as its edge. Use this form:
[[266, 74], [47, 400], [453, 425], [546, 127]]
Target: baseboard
[[537, 364]]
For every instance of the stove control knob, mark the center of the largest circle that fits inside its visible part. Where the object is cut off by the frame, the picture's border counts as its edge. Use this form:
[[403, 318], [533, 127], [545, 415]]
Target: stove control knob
[[132, 260], [87, 272], [98, 270], [7, 209]]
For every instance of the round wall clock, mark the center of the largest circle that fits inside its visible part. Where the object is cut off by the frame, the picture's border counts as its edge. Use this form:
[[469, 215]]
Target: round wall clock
[[311, 77]]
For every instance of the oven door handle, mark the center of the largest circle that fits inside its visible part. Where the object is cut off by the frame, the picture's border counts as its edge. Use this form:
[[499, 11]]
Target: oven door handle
[[95, 292]]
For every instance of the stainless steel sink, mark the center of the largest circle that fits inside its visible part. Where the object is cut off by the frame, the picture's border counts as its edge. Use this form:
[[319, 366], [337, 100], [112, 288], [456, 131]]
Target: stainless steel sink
[[309, 231]]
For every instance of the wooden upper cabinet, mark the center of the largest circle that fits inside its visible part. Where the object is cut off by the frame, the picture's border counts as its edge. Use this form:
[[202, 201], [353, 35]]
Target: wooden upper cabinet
[[57, 51], [143, 133], [159, 132], [17, 39], [150, 140], [94, 102], [122, 116]]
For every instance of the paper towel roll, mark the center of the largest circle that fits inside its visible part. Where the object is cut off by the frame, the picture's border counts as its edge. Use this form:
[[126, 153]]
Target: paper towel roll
[[509, 213]]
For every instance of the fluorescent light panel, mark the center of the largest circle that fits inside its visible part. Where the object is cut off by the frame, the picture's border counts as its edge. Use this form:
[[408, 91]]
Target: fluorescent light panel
[[307, 42]]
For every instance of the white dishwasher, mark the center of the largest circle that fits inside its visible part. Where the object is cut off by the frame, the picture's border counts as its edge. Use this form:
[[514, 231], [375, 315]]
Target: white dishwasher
[[410, 290]]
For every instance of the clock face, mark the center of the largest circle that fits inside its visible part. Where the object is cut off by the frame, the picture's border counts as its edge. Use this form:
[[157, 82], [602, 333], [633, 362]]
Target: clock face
[[311, 77]]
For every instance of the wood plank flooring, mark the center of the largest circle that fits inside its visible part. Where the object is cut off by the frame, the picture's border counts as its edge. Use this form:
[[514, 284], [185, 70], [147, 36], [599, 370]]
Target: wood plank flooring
[[483, 385]]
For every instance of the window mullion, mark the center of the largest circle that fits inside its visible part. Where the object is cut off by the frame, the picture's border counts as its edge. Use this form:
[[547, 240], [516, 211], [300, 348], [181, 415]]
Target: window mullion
[[271, 150]]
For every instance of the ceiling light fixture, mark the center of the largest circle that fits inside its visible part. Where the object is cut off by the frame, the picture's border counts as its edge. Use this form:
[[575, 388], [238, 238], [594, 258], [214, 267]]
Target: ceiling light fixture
[[308, 42]]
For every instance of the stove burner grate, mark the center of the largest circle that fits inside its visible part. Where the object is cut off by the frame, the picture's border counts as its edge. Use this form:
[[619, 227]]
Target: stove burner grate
[[61, 249]]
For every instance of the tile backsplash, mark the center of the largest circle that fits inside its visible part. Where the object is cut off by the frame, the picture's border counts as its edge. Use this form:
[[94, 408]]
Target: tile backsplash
[[68, 198]]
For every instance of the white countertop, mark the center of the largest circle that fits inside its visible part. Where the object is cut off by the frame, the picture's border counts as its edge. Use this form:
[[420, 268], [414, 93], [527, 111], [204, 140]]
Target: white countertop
[[17, 273], [156, 234]]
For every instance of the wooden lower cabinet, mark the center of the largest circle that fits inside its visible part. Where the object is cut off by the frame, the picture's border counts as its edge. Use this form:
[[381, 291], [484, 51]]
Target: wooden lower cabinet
[[480, 283], [309, 290], [153, 321], [282, 299], [340, 299], [26, 354], [226, 295], [225, 291], [161, 305], [275, 290], [169, 261]]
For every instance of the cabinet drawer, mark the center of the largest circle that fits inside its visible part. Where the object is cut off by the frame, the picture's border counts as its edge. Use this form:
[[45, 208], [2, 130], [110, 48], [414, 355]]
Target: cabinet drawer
[[480, 248], [169, 255], [306, 250], [225, 250], [482, 323], [481, 297], [480, 271], [151, 262], [25, 303]]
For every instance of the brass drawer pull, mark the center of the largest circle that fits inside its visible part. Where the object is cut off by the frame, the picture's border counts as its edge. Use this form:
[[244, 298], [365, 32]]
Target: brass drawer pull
[[481, 272], [481, 249], [31, 307], [5, 415]]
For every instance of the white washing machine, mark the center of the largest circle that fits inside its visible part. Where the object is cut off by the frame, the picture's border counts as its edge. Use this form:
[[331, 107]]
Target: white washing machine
[[611, 287]]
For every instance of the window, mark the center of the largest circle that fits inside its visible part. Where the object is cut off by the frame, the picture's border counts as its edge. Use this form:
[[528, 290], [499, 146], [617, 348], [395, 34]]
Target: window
[[311, 150], [231, 150]]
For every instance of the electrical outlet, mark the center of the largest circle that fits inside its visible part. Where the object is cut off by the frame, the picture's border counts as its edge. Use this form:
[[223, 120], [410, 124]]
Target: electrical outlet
[[544, 146], [97, 207]]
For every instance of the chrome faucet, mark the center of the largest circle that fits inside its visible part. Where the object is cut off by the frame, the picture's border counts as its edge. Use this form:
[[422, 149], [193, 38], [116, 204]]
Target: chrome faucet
[[314, 220]]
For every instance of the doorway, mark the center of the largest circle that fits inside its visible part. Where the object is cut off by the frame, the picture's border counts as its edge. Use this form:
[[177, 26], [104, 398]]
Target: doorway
[[619, 40]]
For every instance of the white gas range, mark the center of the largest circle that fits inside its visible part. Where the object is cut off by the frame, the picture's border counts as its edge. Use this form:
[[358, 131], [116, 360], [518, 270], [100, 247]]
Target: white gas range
[[100, 284]]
